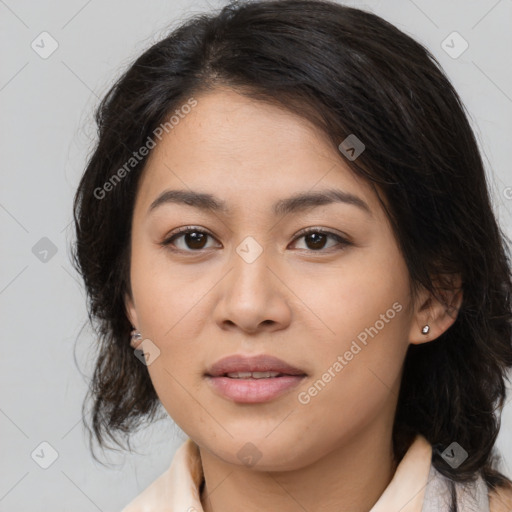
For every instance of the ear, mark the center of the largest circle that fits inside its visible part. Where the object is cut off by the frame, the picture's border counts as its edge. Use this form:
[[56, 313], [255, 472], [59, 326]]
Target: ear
[[131, 313], [438, 313]]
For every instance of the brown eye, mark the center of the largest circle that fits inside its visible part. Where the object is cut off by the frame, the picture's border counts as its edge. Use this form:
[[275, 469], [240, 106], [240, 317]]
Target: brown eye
[[195, 240], [316, 239], [187, 239]]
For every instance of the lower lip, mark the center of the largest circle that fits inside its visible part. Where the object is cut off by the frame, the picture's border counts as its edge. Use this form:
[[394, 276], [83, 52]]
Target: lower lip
[[252, 391]]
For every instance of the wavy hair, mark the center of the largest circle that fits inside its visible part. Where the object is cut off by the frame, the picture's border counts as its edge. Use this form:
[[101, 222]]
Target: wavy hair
[[349, 72]]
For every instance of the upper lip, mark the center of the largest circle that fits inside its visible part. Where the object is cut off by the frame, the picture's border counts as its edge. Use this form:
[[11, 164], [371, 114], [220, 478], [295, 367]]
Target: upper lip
[[259, 363]]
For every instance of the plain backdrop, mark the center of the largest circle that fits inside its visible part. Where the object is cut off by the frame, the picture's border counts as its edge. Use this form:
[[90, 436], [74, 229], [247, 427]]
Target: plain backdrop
[[47, 133]]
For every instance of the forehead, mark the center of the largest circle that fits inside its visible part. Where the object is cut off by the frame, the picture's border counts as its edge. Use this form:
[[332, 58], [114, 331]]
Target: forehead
[[249, 153]]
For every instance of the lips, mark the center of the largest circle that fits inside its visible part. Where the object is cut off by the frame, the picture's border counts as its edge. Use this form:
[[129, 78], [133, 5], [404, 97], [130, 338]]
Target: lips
[[253, 380], [238, 364]]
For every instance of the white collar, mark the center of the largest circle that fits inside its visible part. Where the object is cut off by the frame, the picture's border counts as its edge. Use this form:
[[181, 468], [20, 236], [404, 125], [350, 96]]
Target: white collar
[[413, 488]]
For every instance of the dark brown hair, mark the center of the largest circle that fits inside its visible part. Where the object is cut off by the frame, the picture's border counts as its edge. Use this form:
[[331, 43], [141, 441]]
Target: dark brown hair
[[349, 72]]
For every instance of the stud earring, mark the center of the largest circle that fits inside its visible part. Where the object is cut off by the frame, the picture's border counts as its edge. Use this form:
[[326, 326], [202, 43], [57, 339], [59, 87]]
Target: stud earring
[[426, 329], [135, 336]]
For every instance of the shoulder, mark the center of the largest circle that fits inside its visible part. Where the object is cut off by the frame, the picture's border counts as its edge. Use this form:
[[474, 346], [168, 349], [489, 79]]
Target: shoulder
[[175, 487], [500, 499], [149, 498]]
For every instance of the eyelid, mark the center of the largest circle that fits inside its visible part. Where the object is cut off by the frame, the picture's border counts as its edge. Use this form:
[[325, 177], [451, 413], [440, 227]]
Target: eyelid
[[325, 231]]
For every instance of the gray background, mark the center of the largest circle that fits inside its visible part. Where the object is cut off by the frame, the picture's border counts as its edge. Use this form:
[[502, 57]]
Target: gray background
[[47, 133]]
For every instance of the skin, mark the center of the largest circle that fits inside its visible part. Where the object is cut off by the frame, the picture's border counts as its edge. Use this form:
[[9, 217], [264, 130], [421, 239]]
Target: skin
[[298, 301]]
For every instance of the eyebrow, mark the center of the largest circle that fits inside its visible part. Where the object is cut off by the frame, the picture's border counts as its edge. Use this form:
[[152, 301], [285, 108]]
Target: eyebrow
[[296, 203]]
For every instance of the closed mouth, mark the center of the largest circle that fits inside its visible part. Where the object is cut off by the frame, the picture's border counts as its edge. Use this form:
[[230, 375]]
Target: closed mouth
[[262, 366], [257, 375]]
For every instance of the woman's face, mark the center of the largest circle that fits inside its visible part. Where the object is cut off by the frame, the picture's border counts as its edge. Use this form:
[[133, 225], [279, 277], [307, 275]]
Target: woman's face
[[246, 280]]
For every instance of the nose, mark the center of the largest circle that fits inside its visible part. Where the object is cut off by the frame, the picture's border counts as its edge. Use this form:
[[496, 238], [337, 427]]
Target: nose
[[253, 296]]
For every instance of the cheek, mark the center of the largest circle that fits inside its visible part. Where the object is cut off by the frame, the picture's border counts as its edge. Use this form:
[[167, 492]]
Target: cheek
[[166, 293], [347, 299], [177, 378], [365, 318], [357, 377], [166, 304]]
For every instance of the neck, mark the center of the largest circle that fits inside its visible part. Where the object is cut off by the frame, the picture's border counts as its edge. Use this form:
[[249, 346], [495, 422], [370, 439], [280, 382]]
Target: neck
[[349, 478]]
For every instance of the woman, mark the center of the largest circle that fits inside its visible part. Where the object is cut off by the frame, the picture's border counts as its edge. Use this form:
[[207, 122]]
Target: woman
[[287, 215]]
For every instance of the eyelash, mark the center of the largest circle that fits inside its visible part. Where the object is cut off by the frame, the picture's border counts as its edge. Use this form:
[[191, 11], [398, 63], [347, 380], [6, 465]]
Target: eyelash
[[168, 242]]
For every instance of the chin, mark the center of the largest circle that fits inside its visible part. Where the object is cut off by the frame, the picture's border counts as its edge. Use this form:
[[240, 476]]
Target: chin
[[260, 453]]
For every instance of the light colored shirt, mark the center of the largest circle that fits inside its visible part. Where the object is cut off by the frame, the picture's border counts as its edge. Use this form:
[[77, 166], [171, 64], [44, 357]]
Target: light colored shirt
[[416, 486]]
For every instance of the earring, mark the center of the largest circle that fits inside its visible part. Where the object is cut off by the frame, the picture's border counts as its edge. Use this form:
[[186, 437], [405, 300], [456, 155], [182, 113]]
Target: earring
[[426, 329], [136, 335]]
